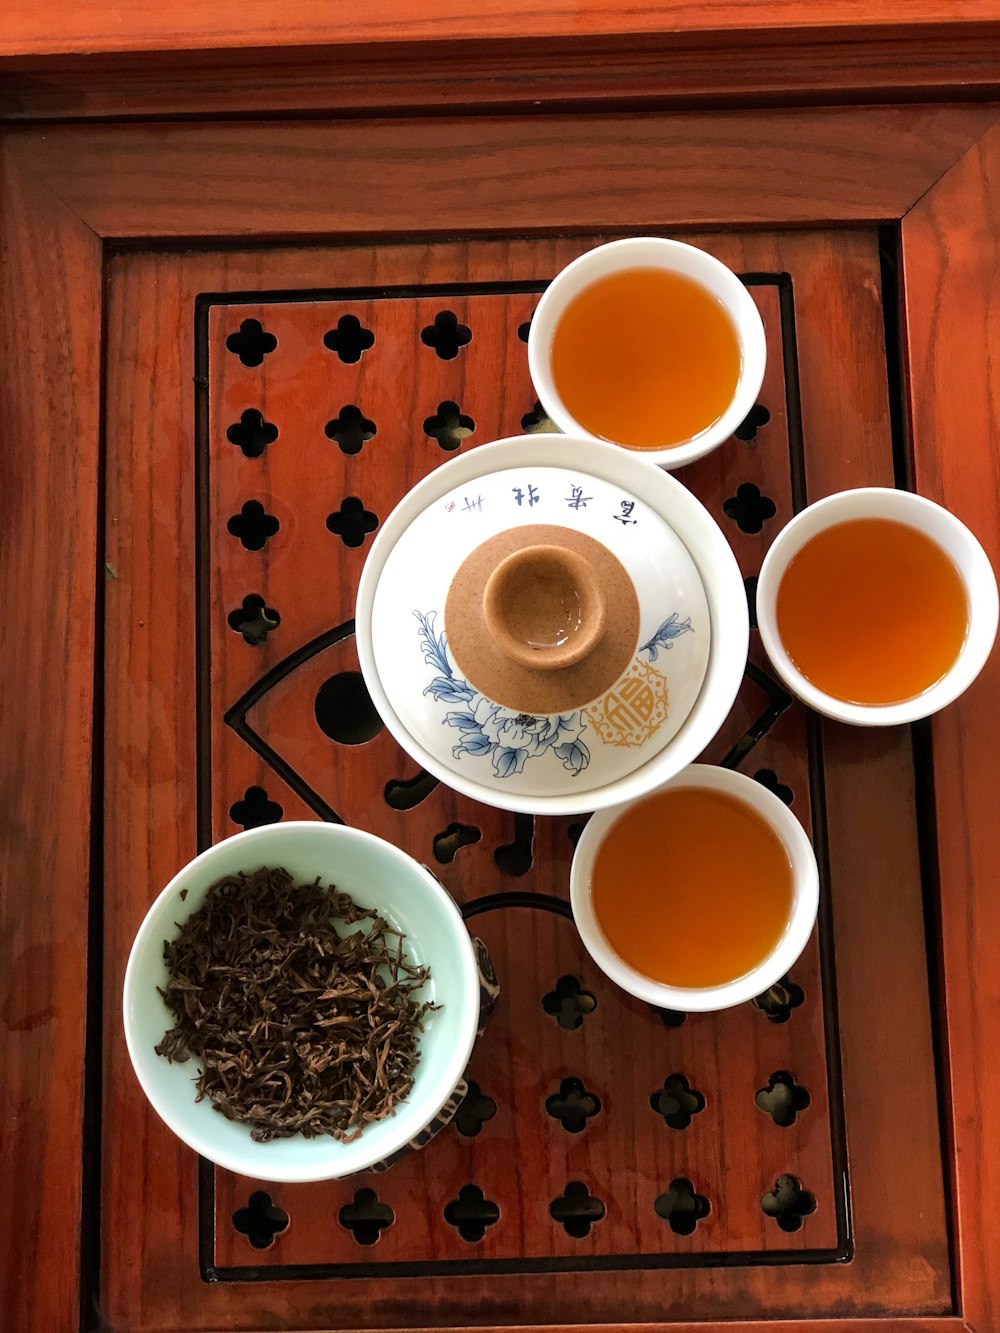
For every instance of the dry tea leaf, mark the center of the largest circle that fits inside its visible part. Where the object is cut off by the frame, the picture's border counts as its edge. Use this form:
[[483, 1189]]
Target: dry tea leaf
[[300, 1025]]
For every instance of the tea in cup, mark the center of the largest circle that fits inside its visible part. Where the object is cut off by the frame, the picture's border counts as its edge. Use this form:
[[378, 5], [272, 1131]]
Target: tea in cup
[[877, 606], [650, 344], [699, 896]]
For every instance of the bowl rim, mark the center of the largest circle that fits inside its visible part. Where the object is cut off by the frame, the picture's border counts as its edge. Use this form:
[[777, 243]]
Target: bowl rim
[[916, 511], [725, 594], [675, 256], [805, 906], [151, 931]]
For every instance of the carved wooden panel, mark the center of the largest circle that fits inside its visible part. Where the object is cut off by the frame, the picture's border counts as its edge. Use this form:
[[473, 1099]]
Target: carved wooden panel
[[321, 414], [266, 410]]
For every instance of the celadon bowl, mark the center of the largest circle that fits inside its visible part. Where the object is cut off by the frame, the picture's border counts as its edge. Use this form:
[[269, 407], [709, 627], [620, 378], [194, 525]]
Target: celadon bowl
[[377, 875]]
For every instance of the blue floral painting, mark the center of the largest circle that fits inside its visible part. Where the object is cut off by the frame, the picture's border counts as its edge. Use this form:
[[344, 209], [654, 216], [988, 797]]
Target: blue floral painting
[[664, 637], [485, 728]]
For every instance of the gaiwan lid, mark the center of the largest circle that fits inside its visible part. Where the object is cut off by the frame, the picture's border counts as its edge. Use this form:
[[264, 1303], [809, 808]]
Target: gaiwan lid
[[534, 630]]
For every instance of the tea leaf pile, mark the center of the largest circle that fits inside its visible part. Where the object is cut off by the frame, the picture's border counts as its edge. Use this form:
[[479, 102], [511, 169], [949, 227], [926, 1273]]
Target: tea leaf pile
[[301, 1023]]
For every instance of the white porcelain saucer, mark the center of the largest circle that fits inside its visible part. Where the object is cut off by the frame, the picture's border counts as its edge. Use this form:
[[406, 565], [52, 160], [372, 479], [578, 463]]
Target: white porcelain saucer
[[679, 677]]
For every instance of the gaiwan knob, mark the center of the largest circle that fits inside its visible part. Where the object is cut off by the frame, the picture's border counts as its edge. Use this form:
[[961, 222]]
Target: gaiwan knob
[[544, 607]]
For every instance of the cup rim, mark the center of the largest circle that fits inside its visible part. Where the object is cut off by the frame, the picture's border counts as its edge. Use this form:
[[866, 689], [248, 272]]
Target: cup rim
[[739, 304], [149, 933], [913, 510], [805, 899]]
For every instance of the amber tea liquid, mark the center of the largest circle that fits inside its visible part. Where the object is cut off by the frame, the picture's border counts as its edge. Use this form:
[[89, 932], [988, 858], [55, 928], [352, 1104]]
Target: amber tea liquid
[[646, 358], [692, 887], [872, 611]]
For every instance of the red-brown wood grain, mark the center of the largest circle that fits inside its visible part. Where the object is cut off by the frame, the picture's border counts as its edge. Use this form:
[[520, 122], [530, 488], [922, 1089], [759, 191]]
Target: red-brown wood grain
[[902, 1324], [60, 192], [101, 25], [150, 771], [739, 68], [951, 263], [510, 175], [310, 577], [868, 787], [901, 1257], [49, 466]]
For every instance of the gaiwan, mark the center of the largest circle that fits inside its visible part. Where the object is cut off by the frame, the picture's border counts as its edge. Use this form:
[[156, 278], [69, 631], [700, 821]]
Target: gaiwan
[[542, 619]]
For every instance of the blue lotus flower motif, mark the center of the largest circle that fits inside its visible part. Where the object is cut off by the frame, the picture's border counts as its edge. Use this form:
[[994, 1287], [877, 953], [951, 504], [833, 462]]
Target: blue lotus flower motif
[[517, 731], [486, 728]]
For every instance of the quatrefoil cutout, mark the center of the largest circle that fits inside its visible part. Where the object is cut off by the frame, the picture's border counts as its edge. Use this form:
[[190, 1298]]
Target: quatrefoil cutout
[[677, 1102], [748, 508], [475, 1111], [253, 525], [366, 1217], [576, 1210], [779, 1000], [538, 422], [251, 342], [255, 809], [260, 1221], [569, 1003], [446, 335], [573, 1105], [449, 425], [351, 430], [757, 417], [349, 340], [788, 1203], [352, 522], [783, 1100], [252, 433], [254, 620], [471, 1213], [681, 1207]]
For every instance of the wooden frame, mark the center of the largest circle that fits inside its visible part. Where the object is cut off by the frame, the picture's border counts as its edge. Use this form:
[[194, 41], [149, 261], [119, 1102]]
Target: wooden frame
[[753, 66], [69, 193], [88, 26]]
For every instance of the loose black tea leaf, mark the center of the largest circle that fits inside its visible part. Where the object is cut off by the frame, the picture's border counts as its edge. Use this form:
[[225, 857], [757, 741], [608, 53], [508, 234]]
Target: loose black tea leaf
[[301, 1024]]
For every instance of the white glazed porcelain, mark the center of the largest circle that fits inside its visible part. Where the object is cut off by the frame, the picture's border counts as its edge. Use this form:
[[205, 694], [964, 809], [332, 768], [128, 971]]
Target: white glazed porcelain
[[940, 526], [424, 685], [377, 875], [677, 257], [683, 571], [805, 901]]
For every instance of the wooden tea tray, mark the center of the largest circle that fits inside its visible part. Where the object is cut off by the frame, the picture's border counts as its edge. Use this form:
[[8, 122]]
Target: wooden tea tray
[[181, 438], [256, 733]]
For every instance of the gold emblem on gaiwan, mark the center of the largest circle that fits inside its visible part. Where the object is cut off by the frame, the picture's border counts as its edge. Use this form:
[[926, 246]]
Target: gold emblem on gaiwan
[[633, 709]]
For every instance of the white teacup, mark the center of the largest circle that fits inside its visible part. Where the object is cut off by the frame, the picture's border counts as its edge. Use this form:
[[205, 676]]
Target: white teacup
[[950, 534], [645, 252], [801, 918]]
